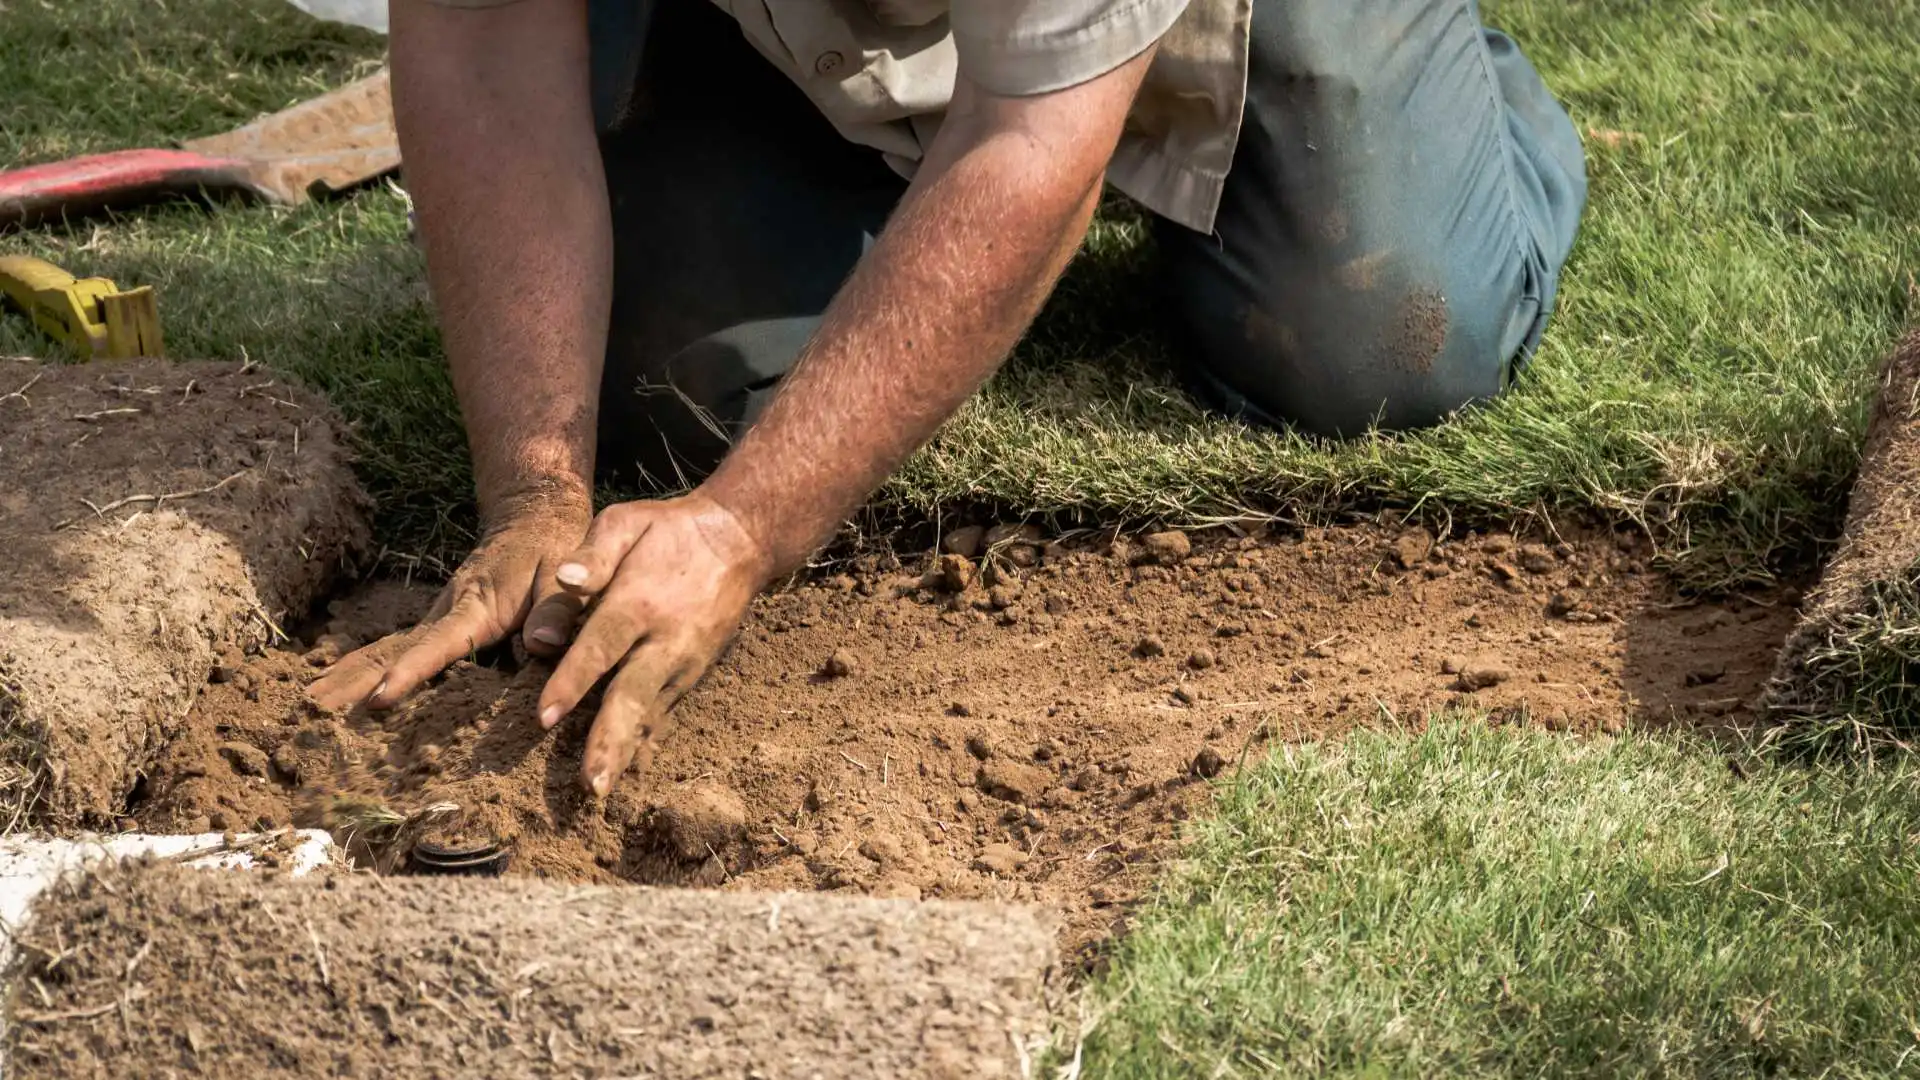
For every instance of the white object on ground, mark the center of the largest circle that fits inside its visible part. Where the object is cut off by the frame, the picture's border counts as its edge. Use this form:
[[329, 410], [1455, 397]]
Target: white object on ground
[[371, 14]]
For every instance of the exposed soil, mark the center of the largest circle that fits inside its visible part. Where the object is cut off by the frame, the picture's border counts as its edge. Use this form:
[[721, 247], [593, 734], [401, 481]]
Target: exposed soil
[[1879, 551], [1038, 735], [153, 513], [236, 975]]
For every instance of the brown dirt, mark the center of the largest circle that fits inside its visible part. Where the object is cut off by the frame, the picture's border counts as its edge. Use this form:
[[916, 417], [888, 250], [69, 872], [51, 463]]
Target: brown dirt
[[163, 971], [1879, 549], [1036, 737], [116, 601]]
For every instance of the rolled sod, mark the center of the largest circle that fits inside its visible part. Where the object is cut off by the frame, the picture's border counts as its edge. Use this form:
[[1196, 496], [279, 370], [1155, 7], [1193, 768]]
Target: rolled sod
[[153, 515], [1854, 656]]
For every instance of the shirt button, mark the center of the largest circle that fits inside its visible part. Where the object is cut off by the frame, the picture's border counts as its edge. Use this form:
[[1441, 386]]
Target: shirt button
[[827, 63]]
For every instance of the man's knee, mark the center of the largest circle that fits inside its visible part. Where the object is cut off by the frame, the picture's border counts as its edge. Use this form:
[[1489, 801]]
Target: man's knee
[[1370, 345]]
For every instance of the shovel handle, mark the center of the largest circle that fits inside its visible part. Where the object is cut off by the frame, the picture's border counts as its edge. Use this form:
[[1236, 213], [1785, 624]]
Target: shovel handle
[[88, 184]]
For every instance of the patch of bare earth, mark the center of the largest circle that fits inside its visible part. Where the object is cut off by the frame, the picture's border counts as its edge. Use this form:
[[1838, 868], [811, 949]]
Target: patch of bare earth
[[1034, 730]]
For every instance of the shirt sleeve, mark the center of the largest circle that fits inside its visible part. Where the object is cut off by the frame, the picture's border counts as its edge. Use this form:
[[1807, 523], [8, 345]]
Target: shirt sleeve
[[1018, 48]]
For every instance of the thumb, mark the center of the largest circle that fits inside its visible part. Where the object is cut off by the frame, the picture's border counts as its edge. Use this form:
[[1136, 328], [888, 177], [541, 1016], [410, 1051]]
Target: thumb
[[588, 569], [550, 621]]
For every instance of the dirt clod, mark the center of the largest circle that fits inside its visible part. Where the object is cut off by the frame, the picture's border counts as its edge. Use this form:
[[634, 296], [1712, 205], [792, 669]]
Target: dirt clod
[[956, 573], [1013, 781], [1537, 559], [840, 665], [286, 763], [1002, 860], [1207, 763], [1166, 548], [1411, 549], [1150, 645], [1201, 659], [701, 820], [964, 541], [246, 760], [1482, 674]]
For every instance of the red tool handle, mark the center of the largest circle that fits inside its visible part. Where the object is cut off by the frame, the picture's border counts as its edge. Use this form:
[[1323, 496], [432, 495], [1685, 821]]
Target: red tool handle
[[85, 185]]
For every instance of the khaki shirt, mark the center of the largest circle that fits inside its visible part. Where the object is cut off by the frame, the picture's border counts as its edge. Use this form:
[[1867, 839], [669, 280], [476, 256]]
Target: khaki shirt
[[883, 71]]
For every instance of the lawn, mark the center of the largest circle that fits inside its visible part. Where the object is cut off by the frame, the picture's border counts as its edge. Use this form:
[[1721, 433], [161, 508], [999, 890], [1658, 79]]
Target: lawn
[[1500, 902], [1460, 902]]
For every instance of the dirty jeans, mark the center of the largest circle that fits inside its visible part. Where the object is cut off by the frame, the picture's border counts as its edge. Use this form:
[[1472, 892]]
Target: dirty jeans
[[1402, 198]]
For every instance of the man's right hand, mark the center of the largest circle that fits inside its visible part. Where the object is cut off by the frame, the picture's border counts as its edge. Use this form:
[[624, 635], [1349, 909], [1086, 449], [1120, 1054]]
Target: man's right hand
[[506, 584]]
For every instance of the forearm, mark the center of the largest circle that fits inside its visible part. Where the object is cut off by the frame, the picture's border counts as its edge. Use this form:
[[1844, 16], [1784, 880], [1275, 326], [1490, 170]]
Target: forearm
[[931, 311], [497, 133]]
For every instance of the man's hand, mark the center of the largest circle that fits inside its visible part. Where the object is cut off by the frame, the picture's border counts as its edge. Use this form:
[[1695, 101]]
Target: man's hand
[[506, 584], [669, 582]]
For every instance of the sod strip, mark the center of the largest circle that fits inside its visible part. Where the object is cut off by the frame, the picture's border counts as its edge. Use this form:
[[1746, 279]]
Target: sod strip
[[1852, 661], [238, 975]]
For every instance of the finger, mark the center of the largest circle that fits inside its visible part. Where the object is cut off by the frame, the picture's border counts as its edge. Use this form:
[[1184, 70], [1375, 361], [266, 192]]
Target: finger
[[631, 716], [353, 679], [549, 623], [591, 566], [616, 625], [466, 628]]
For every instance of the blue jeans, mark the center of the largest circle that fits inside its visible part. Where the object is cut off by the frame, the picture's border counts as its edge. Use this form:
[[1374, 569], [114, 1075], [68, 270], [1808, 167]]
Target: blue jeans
[[1403, 196]]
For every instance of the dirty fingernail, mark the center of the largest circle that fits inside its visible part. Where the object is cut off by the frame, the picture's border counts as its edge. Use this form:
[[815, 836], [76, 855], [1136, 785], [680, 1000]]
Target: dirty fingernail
[[377, 691], [601, 782], [571, 574], [549, 635], [549, 716]]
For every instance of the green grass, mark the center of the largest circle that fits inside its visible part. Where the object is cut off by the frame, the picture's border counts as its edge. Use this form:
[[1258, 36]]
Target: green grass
[[1744, 262], [1501, 903]]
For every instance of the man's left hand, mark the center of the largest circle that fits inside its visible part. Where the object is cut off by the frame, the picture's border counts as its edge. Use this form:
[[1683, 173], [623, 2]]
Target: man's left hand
[[667, 583]]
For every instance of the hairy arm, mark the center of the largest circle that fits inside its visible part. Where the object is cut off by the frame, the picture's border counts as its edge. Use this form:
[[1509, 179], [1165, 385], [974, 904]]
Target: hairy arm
[[496, 128], [994, 215]]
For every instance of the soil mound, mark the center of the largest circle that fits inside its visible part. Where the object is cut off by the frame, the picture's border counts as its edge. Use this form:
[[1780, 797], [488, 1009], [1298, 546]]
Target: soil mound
[[159, 970], [154, 515], [1039, 734], [1846, 652]]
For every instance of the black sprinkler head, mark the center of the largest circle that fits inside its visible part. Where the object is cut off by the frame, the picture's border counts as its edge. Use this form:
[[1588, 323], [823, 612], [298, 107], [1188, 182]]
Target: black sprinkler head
[[473, 860]]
